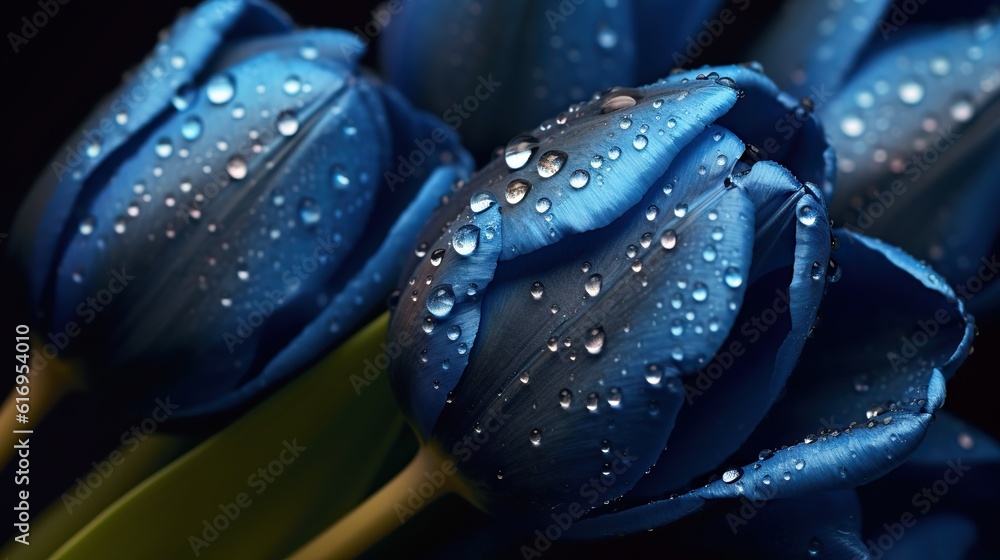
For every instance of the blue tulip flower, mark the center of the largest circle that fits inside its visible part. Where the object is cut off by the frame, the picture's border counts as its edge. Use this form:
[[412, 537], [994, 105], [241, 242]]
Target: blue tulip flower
[[600, 320], [236, 207], [910, 101], [537, 56]]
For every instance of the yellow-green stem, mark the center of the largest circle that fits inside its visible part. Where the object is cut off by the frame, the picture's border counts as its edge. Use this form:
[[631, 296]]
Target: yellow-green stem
[[380, 514]]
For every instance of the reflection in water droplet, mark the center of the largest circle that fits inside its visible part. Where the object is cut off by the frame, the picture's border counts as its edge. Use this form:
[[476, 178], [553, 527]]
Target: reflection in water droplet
[[579, 179], [465, 240], [551, 162], [519, 151], [482, 201], [517, 190]]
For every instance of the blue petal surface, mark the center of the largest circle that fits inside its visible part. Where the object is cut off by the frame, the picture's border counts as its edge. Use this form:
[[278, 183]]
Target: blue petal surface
[[587, 339], [891, 416]]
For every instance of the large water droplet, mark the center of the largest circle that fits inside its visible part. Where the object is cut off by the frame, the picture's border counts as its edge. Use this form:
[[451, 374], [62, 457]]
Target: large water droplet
[[808, 215], [733, 278], [595, 340], [579, 179], [640, 142], [551, 162], [517, 190], [565, 398], [292, 85], [191, 129], [482, 201], [465, 240], [288, 123], [592, 399], [519, 151], [732, 475], [593, 285], [535, 437], [669, 239], [537, 290], [237, 167], [220, 89], [441, 300]]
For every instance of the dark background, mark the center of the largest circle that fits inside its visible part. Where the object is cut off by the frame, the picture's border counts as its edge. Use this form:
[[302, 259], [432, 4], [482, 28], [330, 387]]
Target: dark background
[[81, 53]]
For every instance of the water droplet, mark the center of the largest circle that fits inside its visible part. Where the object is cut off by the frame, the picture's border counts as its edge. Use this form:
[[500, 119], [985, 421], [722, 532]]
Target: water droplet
[[441, 300], [87, 225], [940, 65], [815, 547], [579, 179], [733, 278], [220, 89], [605, 446], [596, 162], [614, 396], [710, 253], [614, 153], [669, 239], [309, 211], [543, 205], [535, 437], [465, 240], [593, 285], [640, 142], [617, 100], [624, 123], [524, 377], [565, 398], [292, 85], [911, 92], [119, 226], [799, 464], [482, 201], [962, 110], [428, 325], [237, 167], [437, 256], [681, 210], [517, 190], [519, 151], [653, 374], [164, 147], [226, 301], [595, 341], [191, 129], [732, 474], [121, 117], [808, 215], [699, 292], [852, 126], [551, 162], [607, 38], [537, 290], [592, 400], [721, 160], [288, 123]]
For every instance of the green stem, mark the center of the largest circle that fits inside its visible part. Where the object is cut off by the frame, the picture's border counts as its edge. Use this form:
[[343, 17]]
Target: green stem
[[380, 514]]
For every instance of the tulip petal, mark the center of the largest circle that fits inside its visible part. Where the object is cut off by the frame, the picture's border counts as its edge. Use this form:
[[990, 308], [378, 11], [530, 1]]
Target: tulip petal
[[728, 397], [893, 414], [588, 178], [266, 195], [459, 59], [781, 128], [353, 301], [817, 43], [824, 524], [666, 277], [438, 315], [927, 182], [130, 111]]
